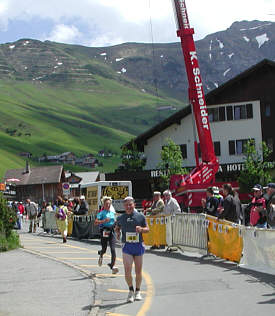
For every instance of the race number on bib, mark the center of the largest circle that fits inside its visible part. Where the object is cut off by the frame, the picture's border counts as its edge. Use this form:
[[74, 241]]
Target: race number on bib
[[106, 233], [132, 237]]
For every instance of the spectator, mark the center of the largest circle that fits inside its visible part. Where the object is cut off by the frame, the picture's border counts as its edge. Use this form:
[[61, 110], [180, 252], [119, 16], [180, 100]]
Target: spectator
[[21, 210], [32, 212], [76, 205], [217, 195], [229, 207], [158, 204], [211, 204], [83, 206], [258, 208], [61, 218], [270, 204], [171, 205]]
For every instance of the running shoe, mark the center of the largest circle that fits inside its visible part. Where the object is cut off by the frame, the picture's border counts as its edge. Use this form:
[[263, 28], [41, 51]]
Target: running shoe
[[131, 297], [138, 296], [114, 270], [100, 259]]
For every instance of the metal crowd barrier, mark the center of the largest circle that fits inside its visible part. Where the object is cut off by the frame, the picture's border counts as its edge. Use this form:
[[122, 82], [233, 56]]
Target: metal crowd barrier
[[50, 221], [189, 232]]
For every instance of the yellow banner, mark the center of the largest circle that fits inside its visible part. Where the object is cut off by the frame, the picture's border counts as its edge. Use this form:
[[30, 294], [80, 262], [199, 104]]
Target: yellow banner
[[224, 241], [157, 232], [117, 192]]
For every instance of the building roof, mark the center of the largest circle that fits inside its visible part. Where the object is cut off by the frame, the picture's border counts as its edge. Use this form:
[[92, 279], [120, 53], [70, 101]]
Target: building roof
[[176, 118], [87, 177], [37, 175]]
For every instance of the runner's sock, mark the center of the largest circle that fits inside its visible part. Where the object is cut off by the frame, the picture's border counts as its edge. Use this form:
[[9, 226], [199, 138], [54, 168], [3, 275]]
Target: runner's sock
[[131, 288], [137, 289]]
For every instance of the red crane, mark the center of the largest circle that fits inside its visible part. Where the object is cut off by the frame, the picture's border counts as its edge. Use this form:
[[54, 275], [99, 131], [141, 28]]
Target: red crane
[[204, 173]]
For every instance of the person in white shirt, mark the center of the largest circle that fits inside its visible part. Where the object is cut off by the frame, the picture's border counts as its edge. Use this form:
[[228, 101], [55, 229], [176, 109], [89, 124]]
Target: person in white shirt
[[171, 205]]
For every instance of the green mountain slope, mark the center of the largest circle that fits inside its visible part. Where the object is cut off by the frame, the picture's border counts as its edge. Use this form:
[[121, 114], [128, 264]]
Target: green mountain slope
[[42, 117]]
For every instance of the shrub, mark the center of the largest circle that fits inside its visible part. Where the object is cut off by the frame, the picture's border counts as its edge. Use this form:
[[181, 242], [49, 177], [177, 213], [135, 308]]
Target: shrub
[[7, 219]]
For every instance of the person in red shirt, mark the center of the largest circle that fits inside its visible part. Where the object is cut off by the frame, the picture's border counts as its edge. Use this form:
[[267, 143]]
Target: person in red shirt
[[21, 208], [258, 209]]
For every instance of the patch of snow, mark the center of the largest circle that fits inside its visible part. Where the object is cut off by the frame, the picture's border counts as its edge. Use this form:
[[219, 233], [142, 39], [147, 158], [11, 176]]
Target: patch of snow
[[220, 43], [143, 90], [123, 70], [105, 58], [246, 39], [119, 59], [161, 56], [221, 53], [256, 27], [210, 56], [227, 70], [231, 55], [26, 43], [210, 45], [216, 84], [119, 72], [55, 67], [11, 46], [103, 54], [59, 63], [261, 39], [26, 68]]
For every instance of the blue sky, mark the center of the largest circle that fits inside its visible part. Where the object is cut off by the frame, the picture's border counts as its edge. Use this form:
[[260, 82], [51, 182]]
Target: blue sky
[[110, 22]]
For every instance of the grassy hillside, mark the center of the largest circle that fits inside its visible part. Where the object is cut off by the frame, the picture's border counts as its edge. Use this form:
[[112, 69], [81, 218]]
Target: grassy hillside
[[40, 118]]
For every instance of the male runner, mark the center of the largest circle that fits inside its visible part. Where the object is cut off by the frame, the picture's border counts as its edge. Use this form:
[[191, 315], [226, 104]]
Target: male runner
[[133, 225]]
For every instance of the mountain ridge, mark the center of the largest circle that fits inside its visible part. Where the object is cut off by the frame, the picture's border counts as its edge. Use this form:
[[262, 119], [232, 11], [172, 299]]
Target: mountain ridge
[[77, 98]]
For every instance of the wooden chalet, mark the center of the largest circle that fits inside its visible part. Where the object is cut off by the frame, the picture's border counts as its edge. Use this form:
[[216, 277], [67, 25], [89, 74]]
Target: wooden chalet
[[37, 183]]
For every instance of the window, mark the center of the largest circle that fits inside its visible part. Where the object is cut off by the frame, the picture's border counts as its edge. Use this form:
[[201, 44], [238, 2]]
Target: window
[[249, 110], [222, 113], [217, 148], [183, 149], [267, 110], [269, 143], [237, 147], [231, 144], [239, 112], [216, 114], [229, 113]]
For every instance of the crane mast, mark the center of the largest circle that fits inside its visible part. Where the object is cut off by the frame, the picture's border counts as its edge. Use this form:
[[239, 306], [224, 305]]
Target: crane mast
[[205, 170]]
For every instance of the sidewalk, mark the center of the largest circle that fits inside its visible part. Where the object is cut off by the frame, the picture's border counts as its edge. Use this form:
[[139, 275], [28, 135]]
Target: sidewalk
[[32, 286]]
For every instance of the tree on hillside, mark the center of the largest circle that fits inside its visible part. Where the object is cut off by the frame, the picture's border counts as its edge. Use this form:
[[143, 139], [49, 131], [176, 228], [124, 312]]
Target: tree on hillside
[[171, 161], [131, 158], [256, 166]]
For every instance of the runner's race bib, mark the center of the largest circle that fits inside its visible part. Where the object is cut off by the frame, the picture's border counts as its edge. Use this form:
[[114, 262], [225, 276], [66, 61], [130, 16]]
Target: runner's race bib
[[106, 233], [132, 237]]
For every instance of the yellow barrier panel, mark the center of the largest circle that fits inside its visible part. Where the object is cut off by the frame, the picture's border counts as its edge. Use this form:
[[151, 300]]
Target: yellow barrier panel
[[157, 232], [70, 225], [224, 240]]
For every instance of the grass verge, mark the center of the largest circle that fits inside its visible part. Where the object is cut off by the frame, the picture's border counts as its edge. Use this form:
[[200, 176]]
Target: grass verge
[[9, 243]]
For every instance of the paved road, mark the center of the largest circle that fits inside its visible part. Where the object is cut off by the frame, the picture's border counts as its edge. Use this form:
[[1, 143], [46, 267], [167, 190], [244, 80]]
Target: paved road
[[175, 283]]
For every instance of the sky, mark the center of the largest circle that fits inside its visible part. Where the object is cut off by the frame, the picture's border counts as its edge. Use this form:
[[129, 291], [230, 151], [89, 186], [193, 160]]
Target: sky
[[110, 22]]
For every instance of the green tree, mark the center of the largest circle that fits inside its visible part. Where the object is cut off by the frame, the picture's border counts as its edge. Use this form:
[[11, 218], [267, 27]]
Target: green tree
[[7, 217], [256, 166], [131, 158], [171, 161]]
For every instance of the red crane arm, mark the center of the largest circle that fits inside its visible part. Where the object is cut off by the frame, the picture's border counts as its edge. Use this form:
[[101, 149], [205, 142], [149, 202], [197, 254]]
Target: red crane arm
[[196, 93]]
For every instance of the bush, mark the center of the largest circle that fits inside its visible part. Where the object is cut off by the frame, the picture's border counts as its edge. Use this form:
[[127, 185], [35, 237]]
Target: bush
[[9, 243], [7, 217], [9, 239]]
